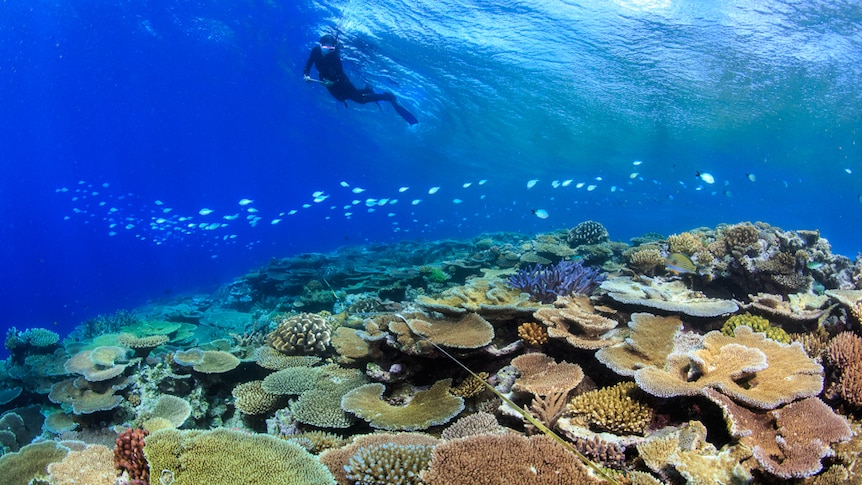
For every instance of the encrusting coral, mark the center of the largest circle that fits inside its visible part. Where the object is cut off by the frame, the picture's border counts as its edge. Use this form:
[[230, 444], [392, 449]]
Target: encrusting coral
[[227, 457], [427, 408]]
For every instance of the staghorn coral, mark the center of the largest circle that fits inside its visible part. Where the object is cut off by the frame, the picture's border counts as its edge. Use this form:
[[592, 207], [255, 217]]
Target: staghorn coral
[[850, 384], [574, 320], [427, 408], [756, 323], [541, 375], [338, 459], [473, 424], [587, 233], [685, 243], [548, 409], [94, 465], [844, 349], [30, 462], [227, 457], [747, 367], [129, 454], [533, 334], [651, 341], [250, 398], [305, 333], [615, 409], [508, 458], [389, 463], [545, 283], [469, 331], [669, 296]]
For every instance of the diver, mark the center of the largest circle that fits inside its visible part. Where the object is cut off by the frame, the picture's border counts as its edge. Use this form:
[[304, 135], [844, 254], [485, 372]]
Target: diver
[[325, 57]]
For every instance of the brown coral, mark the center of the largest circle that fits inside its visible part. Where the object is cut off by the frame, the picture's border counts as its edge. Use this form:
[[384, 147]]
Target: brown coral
[[615, 409], [541, 375], [337, 458], [646, 260], [533, 334], [306, 333], [469, 331], [509, 458], [748, 367], [250, 398], [685, 243], [427, 408], [129, 454], [740, 236], [649, 344], [575, 320], [93, 465], [471, 386]]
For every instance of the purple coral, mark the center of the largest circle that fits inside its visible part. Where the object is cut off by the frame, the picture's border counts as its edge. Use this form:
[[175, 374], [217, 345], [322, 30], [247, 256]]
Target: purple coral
[[546, 283]]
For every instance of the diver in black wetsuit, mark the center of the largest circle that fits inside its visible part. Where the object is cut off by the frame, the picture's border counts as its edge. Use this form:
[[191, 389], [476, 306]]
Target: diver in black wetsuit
[[325, 57]]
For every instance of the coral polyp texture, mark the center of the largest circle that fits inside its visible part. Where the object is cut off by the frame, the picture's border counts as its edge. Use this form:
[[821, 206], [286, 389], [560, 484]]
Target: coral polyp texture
[[744, 366]]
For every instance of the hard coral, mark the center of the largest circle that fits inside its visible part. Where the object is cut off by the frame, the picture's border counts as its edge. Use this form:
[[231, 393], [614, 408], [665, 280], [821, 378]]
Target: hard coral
[[541, 374], [129, 454], [533, 334], [574, 319], [431, 407], [389, 463], [306, 333], [545, 283], [227, 457], [469, 331], [685, 243], [615, 409], [250, 398], [509, 458], [758, 324], [93, 466], [338, 459], [586, 233]]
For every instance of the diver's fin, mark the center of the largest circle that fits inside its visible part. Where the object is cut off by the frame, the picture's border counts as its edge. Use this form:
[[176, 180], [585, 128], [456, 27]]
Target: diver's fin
[[408, 116]]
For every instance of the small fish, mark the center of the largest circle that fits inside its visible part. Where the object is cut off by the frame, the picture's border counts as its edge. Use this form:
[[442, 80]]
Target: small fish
[[245, 201], [540, 213], [633, 175], [555, 184], [566, 182], [433, 190], [532, 183], [292, 212], [679, 263], [205, 211], [232, 217], [636, 163], [751, 177], [483, 181], [403, 189], [457, 201], [466, 185], [579, 185], [275, 221], [814, 265], [158, 202], [344, 184], [599, 178], [416, 201], [358, 190], [706, 177], [848, 170], [591, 188]]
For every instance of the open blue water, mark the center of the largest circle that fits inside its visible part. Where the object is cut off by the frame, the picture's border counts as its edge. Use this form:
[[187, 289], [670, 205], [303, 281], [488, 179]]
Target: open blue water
[[122, 121]]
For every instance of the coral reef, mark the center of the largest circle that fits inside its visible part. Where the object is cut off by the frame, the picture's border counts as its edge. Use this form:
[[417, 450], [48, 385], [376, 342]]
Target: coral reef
[[672, 296], [545, 283], [574, 319], [430, 407]]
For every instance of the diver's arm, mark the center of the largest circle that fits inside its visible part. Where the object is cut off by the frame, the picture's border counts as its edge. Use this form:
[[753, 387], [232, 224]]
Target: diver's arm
[[312, 56]]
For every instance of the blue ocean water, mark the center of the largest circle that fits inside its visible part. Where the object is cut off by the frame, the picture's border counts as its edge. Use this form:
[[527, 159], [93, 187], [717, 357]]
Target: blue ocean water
[[125, 123]]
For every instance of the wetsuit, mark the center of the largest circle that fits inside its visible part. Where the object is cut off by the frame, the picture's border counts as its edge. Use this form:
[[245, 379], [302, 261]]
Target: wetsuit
[[329, 69]]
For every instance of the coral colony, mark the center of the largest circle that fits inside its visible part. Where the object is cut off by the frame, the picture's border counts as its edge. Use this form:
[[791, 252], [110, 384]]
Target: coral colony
[[723, 355]]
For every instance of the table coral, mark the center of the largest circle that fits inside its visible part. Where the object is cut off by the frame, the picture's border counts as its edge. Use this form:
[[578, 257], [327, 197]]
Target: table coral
[[671, 296], [77, 395], [30, 462], [216, 362], [509, 458], [490, 297], [321, 406], [651, 341], [541, 374], [269, 358], [427, 408], [747, 367], [305, 333], [99, 364], [227, 457], [175, 410], [615, 409], [129, 454], [574, 319], [469, 331]]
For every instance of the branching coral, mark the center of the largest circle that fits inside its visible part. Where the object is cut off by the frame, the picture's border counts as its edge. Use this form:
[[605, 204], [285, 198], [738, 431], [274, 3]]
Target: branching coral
[[533, 334], [615, 409], [545, 283], [129, 454], [473, 424], [685, 243], [389, 463], [338, 459]]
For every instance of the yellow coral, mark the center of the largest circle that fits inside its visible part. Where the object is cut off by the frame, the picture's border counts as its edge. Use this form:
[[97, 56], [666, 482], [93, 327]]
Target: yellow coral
[[685, 243], [94, 465], [542, 375], [470, 331], [216, 362], [613, 409], [533, 334], [250, 398], [758, 324], [471, 386], [647, 259]]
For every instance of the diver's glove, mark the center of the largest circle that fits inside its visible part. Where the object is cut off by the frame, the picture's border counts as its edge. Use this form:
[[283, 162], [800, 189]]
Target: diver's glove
[[306, 78]]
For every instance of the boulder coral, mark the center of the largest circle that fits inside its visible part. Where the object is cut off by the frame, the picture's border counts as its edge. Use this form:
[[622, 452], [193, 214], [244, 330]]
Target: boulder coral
[[427, 408], [305, 333], [228, 457]]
